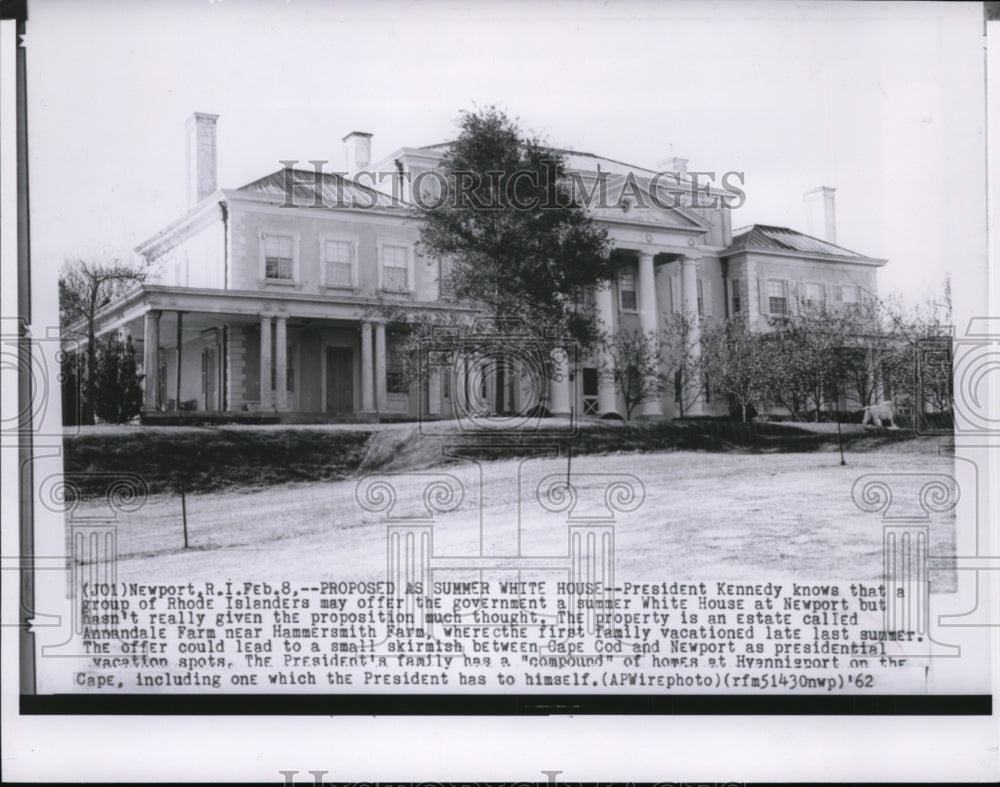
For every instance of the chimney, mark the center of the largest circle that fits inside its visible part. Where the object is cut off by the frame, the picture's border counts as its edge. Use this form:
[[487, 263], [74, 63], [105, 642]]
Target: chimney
[[202, 165], [358, 150], [673, 164], [821, 221]]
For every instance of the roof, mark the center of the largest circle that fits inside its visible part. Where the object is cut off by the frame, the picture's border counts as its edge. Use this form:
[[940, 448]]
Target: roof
[[336, 190], [764, 237], [575, 160]]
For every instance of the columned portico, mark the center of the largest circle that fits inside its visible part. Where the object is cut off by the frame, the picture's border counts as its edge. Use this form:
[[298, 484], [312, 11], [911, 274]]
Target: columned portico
[[689, 294], [606, 398], [646, 286], [151, 359]]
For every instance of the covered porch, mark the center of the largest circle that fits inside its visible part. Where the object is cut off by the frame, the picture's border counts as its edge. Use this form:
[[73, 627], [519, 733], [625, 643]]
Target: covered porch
[[242, 356]]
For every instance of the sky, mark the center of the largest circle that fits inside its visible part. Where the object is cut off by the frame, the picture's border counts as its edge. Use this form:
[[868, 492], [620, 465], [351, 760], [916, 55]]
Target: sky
[[884, 102]]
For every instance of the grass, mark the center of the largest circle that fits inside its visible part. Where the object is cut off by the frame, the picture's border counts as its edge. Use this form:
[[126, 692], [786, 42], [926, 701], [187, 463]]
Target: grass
[[239, 457], [705, 515], [212, 458]]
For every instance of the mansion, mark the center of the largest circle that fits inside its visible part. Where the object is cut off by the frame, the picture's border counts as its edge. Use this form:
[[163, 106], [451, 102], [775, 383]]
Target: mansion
[[261, 306]]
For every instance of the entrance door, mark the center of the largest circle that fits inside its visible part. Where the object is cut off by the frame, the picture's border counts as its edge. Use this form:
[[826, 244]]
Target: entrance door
[[339, 380]]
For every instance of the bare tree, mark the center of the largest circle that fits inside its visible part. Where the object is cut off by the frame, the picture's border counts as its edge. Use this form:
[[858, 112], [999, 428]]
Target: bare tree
[[683, 360], [736, 360], [634, 365], [85, 287]]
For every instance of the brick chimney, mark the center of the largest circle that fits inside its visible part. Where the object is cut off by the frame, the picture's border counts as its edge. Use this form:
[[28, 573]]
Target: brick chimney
[[358, 151], [821, 220], [202, 163]]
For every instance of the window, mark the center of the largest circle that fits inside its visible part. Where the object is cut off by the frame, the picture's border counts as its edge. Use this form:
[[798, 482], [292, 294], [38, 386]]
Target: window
[[737, 300], [338, 263], [626, 291], [446, 287], [395, 268], [701, 298], [847, 293], [812, 292], [278, 257], [777, 297]]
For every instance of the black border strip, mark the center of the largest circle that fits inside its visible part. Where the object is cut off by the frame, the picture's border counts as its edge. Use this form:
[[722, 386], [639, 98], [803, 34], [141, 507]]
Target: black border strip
[[506, 705]]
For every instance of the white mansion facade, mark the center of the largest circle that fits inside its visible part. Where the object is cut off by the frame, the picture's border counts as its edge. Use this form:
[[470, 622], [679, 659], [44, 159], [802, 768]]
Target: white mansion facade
[[261, 305]]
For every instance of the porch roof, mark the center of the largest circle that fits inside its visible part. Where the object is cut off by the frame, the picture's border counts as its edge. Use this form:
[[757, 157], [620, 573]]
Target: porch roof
[[254, 303]]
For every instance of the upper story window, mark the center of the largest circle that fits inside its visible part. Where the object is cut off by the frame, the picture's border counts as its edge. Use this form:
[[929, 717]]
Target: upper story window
[[279, 257], [812, 292], [396, 268], [777, 297], [446, 286], [338, 263], [627, 296], [847, 293]]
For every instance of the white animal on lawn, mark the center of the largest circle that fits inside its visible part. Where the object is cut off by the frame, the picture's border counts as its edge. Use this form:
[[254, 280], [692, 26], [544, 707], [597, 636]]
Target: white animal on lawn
[[877, 413]]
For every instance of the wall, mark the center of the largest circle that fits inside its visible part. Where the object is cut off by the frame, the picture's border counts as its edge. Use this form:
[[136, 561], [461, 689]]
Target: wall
[[196, 261], [249, 221]]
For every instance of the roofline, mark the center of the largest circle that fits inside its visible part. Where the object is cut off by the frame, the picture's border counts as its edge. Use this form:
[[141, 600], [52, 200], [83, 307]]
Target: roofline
[[184, 220], [856, 260]]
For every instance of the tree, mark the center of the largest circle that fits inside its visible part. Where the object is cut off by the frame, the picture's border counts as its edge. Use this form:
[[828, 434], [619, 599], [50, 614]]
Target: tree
[[634, 364], [85, 287], [518, 241], [117, 390], [735, 359], [683, 360]]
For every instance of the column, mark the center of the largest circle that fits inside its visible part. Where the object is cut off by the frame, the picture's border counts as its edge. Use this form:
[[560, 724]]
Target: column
[[751, 305], [151, 359], [367, 391], [266, 400], [177, 377], [689, 305], [607, 400], [380, 400], [281, 362], [235, 368], [647, 316], [434, 391], [459, 397], [559, 384]]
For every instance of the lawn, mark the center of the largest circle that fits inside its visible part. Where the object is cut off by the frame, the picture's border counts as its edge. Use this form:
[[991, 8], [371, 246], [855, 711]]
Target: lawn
[[737, 515]]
